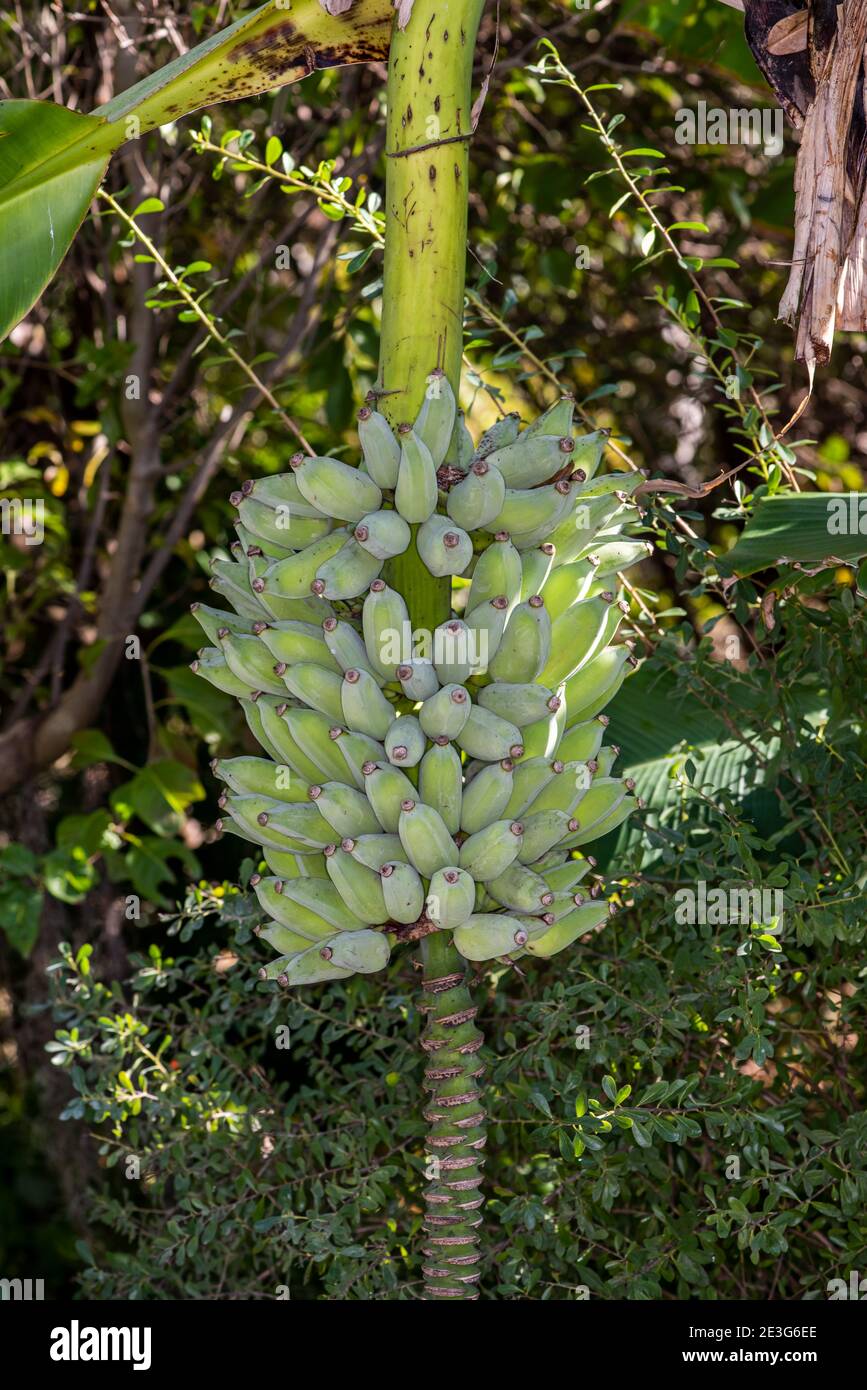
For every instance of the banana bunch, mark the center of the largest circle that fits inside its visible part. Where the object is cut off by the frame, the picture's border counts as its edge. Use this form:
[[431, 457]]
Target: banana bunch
[[448, 781]]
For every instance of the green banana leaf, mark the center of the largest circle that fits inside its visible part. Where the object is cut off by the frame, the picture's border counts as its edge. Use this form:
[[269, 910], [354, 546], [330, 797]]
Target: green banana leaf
[[52, 160], [658, 729], [809, 527]]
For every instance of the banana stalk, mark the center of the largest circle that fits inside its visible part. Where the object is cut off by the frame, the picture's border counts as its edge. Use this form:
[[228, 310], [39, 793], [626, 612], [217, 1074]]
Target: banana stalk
[[430, 67]]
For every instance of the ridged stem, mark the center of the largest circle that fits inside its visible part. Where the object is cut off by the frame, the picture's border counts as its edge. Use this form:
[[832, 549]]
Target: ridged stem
[[455, 1113]]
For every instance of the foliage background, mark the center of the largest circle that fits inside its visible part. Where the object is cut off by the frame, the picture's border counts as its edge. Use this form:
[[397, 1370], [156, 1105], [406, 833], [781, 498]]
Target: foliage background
[[168, 1144]]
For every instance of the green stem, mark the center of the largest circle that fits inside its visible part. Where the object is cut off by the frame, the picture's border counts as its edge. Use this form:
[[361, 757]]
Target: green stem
[[430, 68], [456, 1115], [429, 95]]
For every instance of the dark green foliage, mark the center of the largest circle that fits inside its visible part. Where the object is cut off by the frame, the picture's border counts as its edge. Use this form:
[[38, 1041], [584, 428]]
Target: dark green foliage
[[678, 1113]]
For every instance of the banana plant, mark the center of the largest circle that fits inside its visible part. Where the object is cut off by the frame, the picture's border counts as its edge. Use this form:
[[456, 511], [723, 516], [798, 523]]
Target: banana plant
[[52, 160], [423, 644]]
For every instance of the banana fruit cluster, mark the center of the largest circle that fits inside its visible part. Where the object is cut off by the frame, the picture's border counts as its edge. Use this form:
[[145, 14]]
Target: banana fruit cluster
[[414, 782]]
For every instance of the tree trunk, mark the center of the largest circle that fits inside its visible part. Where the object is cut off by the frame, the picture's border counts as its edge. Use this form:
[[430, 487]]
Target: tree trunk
[[427, 155]]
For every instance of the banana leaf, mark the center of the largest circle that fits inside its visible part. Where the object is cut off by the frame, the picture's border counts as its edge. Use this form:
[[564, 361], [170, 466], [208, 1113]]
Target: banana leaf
[[659, 729], [808, 527], [52, 160]]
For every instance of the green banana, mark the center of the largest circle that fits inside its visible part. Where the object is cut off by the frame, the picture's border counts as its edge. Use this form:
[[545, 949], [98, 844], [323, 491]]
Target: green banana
[[346, 646], [605, 760], [250, 661], [528, 780], [478, 498], [530, 514], [383, 534], [486, 625], [542, 738], [444, 714], [459, 454], [526, 644], [565, 877], [556, 420], [374, 850], [403, 891], [445, 548], [521, 890], [588, 918], [334, 488], [543, 831], [425, 837], [451, 897], [565, 586], [233, 581], [582, 742], [440, 782], [486, 797], [212, 619], [292, 577], [280, 527], [310, 906], [280, 936], [576, 636], [489, 852], [387, 788], [279, 490], [415, 495], [532, 460], [211, 665], [379, 447], [316, 896], [502, 432], [306, 742], [498, 570], [302, 822], [385, 620], [489, 936], [252, 545], [418, 679], [260, 777], [405, 742], [593, 685], [314, 686], [536, 566], [347, 573], [565, 789], [454, 652], [286, 865], [363, 952], [357, 751], [520, 702], [253, 715], [346, 809], [256, 815], [292, 642], [611, 557], [486, 736], [365, 708], [435, 421], [359, 886]]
